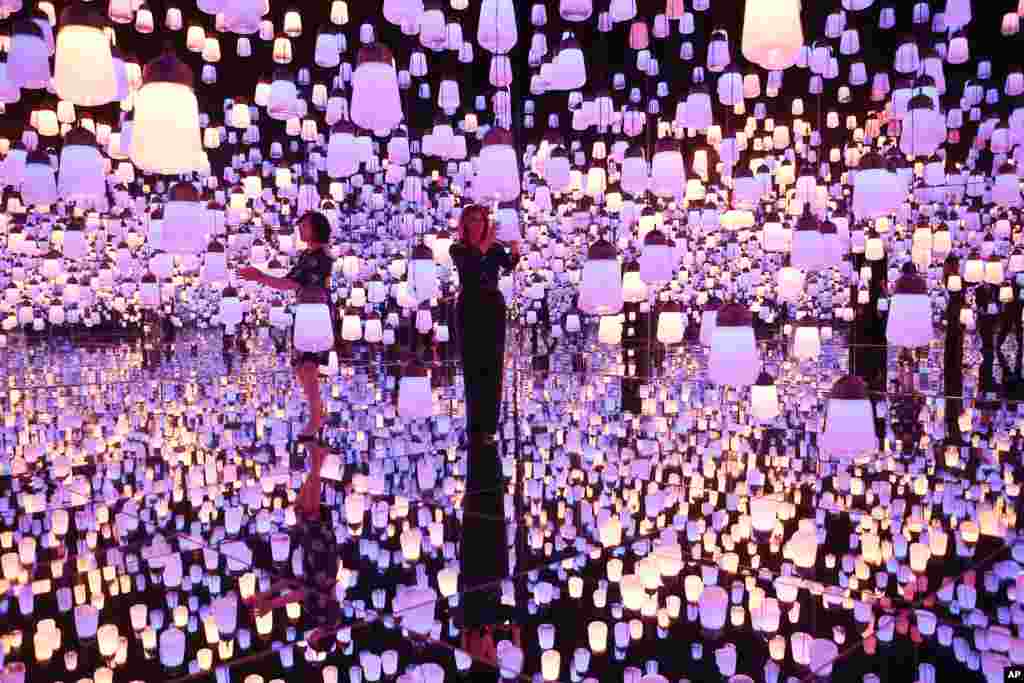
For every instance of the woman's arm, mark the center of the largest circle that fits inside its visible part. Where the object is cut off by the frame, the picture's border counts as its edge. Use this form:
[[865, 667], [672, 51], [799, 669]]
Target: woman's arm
[[280, 283]]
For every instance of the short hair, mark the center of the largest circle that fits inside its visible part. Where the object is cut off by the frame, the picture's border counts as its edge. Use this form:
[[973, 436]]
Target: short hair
[[321, 226]]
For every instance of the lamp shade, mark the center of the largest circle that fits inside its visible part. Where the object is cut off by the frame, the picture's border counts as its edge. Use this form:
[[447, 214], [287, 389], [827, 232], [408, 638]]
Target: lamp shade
[[772, 33], [734, 359], [850, 420], [314, 324], [658, 258], [806, 342], [764, 398], [713, 605], [423, 283], [165, 135], [876, 190], [910, 311], [496, 30], [415, 397], [342, 151], [28, 59], [184, 226], [82, 41], [807, 249], [81, 168], [668, 170], [415, 606], [497, 177], [376, 103], [601, 287], [671, 324], [172, 648], [39, 185]]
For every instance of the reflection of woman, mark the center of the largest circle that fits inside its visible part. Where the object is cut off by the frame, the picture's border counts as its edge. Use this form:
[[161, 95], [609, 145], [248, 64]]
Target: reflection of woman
[[480, 324], [480, 317], [310, 278], [988, 317], [907, 405]]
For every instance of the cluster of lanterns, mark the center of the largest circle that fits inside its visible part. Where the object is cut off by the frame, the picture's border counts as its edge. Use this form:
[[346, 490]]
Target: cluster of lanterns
[[703, 523], [706, 199]]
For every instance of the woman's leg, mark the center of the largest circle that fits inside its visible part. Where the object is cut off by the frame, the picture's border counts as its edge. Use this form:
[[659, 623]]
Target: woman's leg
[[484, 549], [308, 374], [309, 495], [497, 370]]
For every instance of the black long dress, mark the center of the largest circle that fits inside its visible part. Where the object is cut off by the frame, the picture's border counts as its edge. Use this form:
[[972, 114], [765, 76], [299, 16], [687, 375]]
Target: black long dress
[[480, 329]]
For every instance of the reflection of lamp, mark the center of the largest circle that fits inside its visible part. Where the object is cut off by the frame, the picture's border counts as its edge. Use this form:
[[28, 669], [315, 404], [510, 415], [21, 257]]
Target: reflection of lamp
[[850, 420], [671, 326], [713, 604], [415, 398], [601, 289], [172, 648], [733, 359], [910, 312]]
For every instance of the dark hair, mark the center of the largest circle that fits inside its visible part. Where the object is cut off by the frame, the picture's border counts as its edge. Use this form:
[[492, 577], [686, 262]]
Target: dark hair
[[321, 226]]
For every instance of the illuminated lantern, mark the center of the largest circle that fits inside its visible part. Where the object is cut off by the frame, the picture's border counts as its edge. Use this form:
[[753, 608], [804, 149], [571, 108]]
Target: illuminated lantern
[[876, 190], [734, 358], [569, 71], [498, 173], [910, 311], [671, 326], [658, 258], [423, 283], [82, 40], [924, 127], [496, 29], [283, 101], [376, 102], [764, 398], [1006, 189], [713, 607], [775, 237], [668, 172], [601, 288], [634, 290], [28, 58], [314, 324], [342, 151], [772, 33], [416, 605], [165, 135], [415, 398], [39, 185], [850, 420], [81, 168], [807, 249], [806, 343], [215, 263], [634, 173], [184, 227]]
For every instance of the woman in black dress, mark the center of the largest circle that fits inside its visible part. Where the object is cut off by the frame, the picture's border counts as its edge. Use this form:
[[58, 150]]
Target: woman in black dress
[[310, 278], [480, 326]]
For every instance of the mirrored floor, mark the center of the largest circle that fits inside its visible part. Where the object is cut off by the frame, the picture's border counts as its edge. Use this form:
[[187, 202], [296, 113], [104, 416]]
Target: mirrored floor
[[652, 523]]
